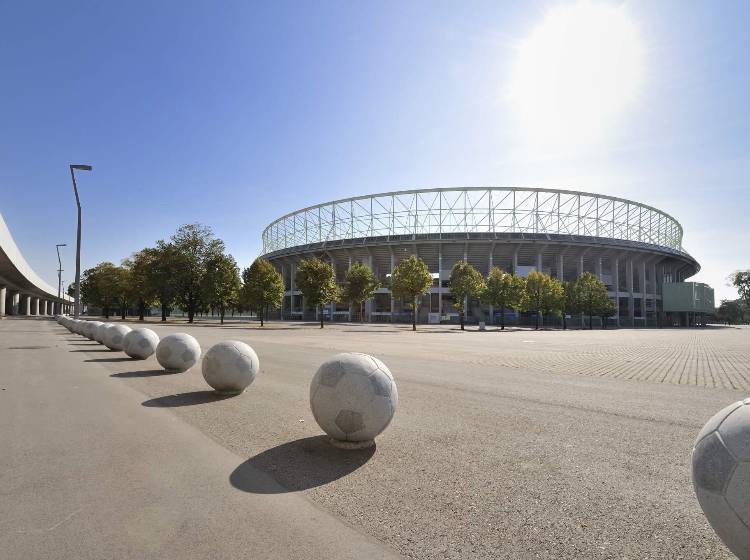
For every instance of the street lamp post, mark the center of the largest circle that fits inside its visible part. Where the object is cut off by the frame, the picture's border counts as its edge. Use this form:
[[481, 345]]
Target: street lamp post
[[59, 275], [77, 311]]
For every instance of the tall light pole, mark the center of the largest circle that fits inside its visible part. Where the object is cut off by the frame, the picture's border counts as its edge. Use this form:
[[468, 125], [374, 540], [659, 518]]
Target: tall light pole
[[59, 274], [77, 311]]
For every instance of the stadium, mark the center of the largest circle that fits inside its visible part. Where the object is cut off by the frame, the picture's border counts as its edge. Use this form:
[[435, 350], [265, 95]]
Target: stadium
[[635, 249]]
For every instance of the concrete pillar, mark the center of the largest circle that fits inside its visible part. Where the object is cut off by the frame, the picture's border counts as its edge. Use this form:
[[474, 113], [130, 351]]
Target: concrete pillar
[[36, 306], [629, 286], [27, 305], [515, 261], [490, 265], [616, 287], [560, 268], [369, 302], [16, 304], [643, 291], [393, 265], [44, 307], [350, 304], [599, 268], [440, 280], [3, 293]]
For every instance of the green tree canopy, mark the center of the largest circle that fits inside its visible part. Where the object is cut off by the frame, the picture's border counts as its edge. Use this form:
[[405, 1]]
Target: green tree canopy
[[571, 303], [317, 282], [194, 247], [543, 295], [593, 298], [220, 286], [730, 312], [504, 291], [360, 285], [99, 286], [263, 286], [741, 280], [140, 265], [411, 279], [161, 275], [465, 282]]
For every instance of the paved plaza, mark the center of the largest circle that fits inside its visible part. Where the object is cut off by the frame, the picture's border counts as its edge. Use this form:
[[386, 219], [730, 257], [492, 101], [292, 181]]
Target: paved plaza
[[516, 444]]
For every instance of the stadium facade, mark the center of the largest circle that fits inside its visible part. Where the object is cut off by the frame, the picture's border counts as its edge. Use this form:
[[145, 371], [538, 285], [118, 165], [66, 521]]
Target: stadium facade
[[635, 249]]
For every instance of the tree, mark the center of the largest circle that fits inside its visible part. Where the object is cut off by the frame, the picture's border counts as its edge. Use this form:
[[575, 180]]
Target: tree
[[140, 265], [606, 310], [195, 246], [543, 295], [730, 312], [741, 280], [161, 275], [571, 304], [123, 289], [263, 286], [220, 287], [504, 291], [317, 282], [465, 282], [359, 286], [99, 286], [593, 298], [411, 279]]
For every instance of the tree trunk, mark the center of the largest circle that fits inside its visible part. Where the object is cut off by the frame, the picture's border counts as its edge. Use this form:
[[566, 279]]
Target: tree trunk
[[106, 311], [141, 309], [261, 315], [361, 311], [122, 313], [163, 313], [461, 319], [320, 307], [221, 314], [565, 322], [414, 316], [536, 326], [591, 322], [502, 318]]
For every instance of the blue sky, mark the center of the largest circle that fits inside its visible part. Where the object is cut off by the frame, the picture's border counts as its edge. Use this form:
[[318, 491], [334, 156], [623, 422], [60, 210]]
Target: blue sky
[[234, 113]]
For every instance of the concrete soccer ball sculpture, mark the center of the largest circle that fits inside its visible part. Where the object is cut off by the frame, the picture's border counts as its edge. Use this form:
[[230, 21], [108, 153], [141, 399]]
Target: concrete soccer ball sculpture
[[353, 398], [178, 352], [140, 343], [114, 339], [100, 332], [721, 475], [90, 331], [230, 367]]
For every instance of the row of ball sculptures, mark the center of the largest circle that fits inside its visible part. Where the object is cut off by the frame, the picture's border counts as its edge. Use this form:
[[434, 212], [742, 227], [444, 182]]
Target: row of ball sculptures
[[353, 396]]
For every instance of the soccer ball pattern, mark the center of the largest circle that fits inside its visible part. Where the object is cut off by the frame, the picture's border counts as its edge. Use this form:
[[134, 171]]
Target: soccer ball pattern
[[140, 343], [115, 337], [721, 475], [230, 367], [178, 352], [101, 332], [353, 397], [90, 329]]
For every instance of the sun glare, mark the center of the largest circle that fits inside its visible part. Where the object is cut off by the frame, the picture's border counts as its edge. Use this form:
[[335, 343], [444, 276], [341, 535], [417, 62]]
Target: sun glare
[[576, 73]]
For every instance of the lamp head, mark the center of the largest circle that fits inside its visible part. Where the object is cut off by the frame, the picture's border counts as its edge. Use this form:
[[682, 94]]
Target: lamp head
[[81, 167]]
